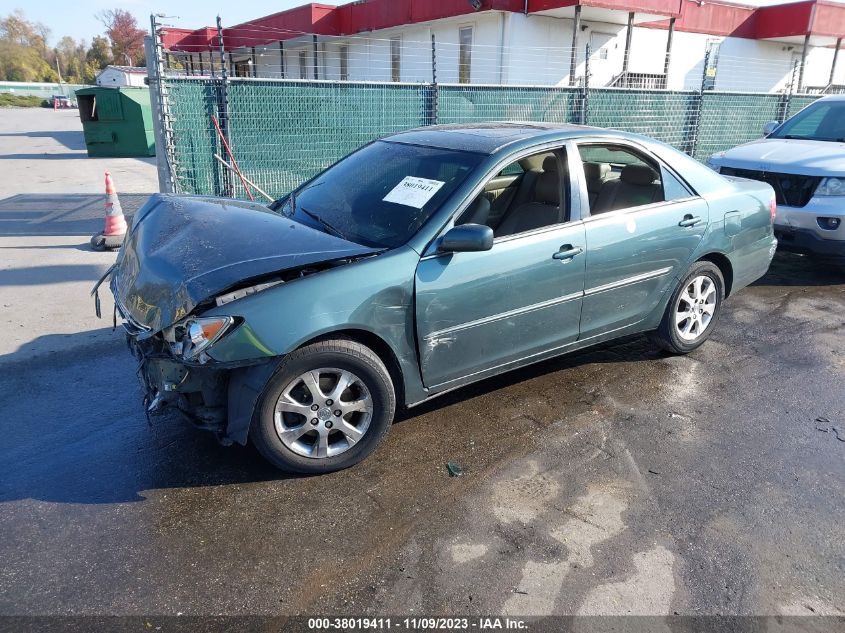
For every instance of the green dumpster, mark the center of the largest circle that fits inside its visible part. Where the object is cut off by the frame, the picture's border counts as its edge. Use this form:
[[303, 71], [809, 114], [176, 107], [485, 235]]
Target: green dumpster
[[117, 121]]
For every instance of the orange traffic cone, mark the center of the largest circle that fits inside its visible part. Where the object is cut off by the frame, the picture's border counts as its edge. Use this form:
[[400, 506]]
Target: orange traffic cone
[[111, 237]]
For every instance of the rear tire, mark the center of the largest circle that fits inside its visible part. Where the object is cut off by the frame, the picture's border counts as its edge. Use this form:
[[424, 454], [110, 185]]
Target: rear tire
[[326, 408], [693, 310]]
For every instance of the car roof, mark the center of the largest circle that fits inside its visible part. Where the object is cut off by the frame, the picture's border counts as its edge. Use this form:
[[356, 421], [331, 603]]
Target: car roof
[[490, 137], [839, 97]]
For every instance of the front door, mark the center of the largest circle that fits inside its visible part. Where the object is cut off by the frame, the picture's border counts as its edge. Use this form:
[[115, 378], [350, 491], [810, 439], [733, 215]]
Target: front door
[[477, 311], [480, 311]]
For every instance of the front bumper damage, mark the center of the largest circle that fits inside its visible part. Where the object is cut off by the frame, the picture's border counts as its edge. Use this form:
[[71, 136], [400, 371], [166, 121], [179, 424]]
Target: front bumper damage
[[214, 398], [197, 391]]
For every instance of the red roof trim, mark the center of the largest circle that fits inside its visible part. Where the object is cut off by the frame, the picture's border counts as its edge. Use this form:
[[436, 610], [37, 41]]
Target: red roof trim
[[657, 7], [813, 17], [810, 17]]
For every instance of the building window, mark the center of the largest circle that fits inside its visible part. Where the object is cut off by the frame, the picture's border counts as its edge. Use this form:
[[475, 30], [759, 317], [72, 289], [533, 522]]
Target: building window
[[464, 54], [303, 65], [395, 59], [344, 63], [243, 68]]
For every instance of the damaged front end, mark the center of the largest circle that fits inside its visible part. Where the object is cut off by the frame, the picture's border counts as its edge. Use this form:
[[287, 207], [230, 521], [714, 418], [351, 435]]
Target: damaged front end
[[186, 256], [198, 392]]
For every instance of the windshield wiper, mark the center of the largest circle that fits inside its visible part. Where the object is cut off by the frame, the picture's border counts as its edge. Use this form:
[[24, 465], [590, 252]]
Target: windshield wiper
[[292, 197], [797, 137], [329, 228]]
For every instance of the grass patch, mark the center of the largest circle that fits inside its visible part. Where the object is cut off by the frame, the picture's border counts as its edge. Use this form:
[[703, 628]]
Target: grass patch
[[21, 101]]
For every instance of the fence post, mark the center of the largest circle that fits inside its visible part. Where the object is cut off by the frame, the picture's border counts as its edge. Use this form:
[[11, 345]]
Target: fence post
[[223, 107], [585, 89], [168, 181], [783, 113], [696, 123], [431, 106]]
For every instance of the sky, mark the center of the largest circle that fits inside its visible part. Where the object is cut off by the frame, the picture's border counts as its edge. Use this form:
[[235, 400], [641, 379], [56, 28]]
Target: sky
[[76, 17]]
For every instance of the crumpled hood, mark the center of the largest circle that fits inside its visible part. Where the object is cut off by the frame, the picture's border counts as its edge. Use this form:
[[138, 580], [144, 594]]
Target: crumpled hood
[[183, 250], [788, 156]]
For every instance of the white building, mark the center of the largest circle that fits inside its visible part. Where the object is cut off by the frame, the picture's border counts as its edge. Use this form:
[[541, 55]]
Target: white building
[[635, 43], [119, 76]]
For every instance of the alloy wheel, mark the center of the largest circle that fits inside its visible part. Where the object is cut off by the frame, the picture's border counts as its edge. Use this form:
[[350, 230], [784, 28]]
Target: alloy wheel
[[695, 308], [323, 412]]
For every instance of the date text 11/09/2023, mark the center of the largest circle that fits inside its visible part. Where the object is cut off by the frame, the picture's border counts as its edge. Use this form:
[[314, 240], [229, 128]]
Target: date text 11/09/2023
[[417, 624]]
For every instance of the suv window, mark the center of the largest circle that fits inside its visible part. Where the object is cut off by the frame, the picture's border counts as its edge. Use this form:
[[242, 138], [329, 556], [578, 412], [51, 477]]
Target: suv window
[[821, 121]]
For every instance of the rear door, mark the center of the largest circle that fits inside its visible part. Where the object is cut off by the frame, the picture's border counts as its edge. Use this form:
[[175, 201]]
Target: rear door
[[639, 237]]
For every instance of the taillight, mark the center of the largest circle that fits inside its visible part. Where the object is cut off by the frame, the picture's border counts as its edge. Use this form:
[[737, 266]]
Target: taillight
[[773, 207]]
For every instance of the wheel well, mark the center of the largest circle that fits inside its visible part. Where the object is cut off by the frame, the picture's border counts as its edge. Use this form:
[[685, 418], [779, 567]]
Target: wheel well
[[724, 265], [379, 346]]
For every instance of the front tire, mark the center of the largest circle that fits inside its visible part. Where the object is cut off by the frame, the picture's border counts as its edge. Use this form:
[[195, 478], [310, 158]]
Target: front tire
[[693, 310], [326, 408]]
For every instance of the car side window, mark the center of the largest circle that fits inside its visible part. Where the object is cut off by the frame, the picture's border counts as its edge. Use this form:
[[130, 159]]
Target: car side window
[[536, 195], [673, 189], [618, 177]]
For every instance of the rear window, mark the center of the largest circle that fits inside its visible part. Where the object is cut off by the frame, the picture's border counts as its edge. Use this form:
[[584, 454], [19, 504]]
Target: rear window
[[605, 154]]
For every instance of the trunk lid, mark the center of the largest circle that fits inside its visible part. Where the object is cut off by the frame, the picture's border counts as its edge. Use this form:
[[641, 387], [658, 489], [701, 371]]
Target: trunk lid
[[184, 250]]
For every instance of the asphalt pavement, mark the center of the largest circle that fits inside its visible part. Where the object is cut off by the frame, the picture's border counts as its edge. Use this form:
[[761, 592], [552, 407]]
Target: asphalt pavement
[[618, 480]]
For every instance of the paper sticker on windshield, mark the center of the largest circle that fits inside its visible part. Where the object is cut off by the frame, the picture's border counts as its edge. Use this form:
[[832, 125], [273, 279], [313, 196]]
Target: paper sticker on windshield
[[413, 191]]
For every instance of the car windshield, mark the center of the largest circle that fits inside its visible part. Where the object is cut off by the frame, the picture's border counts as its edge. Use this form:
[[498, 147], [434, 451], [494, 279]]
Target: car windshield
[[822, 121], [382, 194]]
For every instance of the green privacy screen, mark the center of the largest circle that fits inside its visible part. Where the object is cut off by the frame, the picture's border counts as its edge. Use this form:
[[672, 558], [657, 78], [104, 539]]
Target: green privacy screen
[[664, 115], [284, 132], [472, 104], [731, 119]]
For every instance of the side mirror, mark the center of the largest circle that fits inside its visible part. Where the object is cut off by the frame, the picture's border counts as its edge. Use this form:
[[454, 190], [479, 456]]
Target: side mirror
[[770, 127], [467, 238]]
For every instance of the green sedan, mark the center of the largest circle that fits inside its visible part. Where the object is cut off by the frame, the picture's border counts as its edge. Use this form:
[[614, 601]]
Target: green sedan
[[420, 263]]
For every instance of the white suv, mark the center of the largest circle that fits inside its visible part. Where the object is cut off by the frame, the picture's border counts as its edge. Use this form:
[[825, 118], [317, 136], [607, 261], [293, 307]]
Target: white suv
[[803, 159]]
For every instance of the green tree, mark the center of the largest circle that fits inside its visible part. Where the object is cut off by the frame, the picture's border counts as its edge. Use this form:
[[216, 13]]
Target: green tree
[[100, 52], [71, 56], [98, 57], [24, 55]]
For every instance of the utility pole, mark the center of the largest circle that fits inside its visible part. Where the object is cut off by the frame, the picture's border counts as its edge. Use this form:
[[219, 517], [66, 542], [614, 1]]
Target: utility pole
[[59, 71]]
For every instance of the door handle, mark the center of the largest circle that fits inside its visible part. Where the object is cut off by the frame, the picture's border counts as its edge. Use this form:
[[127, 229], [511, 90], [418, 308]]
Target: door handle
[[567, 252], [689, 220]]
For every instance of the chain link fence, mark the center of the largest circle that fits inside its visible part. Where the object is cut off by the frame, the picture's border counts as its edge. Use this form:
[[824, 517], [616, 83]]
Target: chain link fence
[[281, 130]]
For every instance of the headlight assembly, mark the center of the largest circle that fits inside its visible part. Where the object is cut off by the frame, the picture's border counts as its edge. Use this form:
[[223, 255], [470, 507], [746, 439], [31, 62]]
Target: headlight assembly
[[831, 187], [191, 337]]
